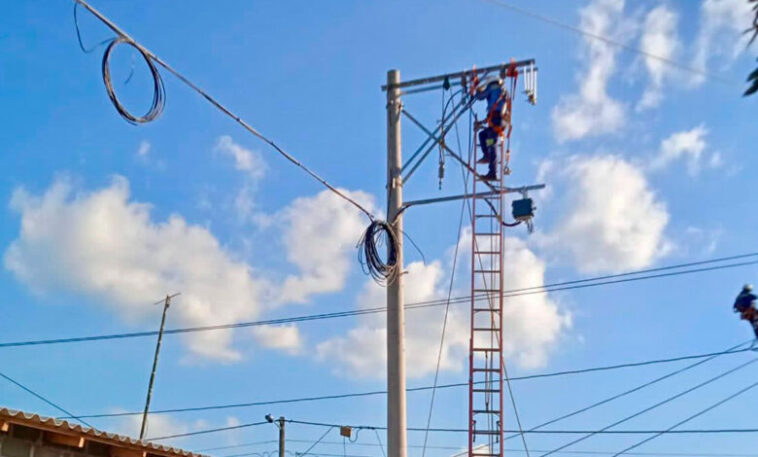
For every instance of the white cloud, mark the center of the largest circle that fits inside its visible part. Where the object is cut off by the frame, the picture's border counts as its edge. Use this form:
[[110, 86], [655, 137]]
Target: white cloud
[[659, 38], [320, 234], [246, 160], [688, 145], [144, 149], [166, 425], [721, 34], [157, 425], [591, 111], [285, 338], [613, 221], [108, 248], [244, 203], [532, 324]]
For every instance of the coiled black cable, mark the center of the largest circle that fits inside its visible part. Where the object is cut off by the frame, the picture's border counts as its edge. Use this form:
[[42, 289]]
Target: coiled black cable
[[377, 235], [159, 92]]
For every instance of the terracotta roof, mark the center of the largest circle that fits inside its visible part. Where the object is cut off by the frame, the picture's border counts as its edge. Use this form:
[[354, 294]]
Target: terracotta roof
[[61, 426]]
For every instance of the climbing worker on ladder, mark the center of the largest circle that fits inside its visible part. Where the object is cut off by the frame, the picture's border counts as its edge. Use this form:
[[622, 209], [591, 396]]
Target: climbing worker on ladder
[[745, 305], [496, 95]]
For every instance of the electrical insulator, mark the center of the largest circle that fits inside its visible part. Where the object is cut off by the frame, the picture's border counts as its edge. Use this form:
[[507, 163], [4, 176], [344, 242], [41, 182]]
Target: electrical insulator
[[441, 172]]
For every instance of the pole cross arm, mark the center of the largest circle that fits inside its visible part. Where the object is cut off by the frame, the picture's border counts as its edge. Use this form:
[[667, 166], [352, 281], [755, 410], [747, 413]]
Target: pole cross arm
[[450, 198], [461, 74]]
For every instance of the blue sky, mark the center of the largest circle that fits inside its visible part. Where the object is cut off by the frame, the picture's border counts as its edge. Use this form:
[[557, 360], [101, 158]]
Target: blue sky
[[646, 164]]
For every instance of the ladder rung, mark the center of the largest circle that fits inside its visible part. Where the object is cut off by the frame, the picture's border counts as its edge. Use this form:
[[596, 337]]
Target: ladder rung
[[486, 411], [479, 454], [485, 390], [485, 329], [485, 349], [486, 370], [486, 290], [486, 432], [486, 215], [483, 310], [487, 234], [487, 252], [486, 271]]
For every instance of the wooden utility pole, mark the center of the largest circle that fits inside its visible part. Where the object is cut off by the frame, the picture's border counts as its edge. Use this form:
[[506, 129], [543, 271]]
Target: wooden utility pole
[[396, 415], [166, 303]]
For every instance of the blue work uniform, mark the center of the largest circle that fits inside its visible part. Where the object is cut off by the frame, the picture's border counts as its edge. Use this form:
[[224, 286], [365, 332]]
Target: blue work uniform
[[495, 97], [744, 300], [745, 305]]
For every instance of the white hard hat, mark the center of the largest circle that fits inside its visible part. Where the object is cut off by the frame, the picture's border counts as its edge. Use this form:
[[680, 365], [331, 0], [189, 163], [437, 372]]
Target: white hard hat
[[489, 80], [748, 287]]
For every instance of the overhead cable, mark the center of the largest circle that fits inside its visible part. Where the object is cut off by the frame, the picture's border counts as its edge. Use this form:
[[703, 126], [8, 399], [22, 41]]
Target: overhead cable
[[611, 42], [445, 318], [654, 406], [694, 416], [456, 448], [734, 430], [632, 390], [546, 288], [420, 388], [152, 57], [209, 430], [44, 399]]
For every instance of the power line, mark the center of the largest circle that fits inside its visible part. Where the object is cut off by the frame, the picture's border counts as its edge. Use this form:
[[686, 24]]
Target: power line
[[611, 42], [209, 430], [553, 287], [46, 400], [465, 430], [151, 57], [457, 448], [420, 388], [734, 430], [696, 415], [630, 391], [316, 442], [447, 307], [654, 406]]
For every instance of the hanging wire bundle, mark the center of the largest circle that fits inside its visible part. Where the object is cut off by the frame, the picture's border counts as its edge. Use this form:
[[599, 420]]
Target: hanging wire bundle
[[378, 235], [159, 92]]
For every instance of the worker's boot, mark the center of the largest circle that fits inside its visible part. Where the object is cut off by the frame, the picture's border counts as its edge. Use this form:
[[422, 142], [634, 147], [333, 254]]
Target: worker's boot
[[492, 176]]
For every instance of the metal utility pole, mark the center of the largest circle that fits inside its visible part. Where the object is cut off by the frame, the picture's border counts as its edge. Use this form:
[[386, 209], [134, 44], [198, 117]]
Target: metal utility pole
[[281, 422], [166, 303], [396, 417]]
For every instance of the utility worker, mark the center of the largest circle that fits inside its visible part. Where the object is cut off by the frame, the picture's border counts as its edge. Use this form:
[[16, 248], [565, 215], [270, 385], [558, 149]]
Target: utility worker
[[745, 305], [493, 91]]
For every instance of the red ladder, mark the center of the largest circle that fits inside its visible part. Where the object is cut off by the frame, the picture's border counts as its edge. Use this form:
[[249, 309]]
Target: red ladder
[[486, 419]]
